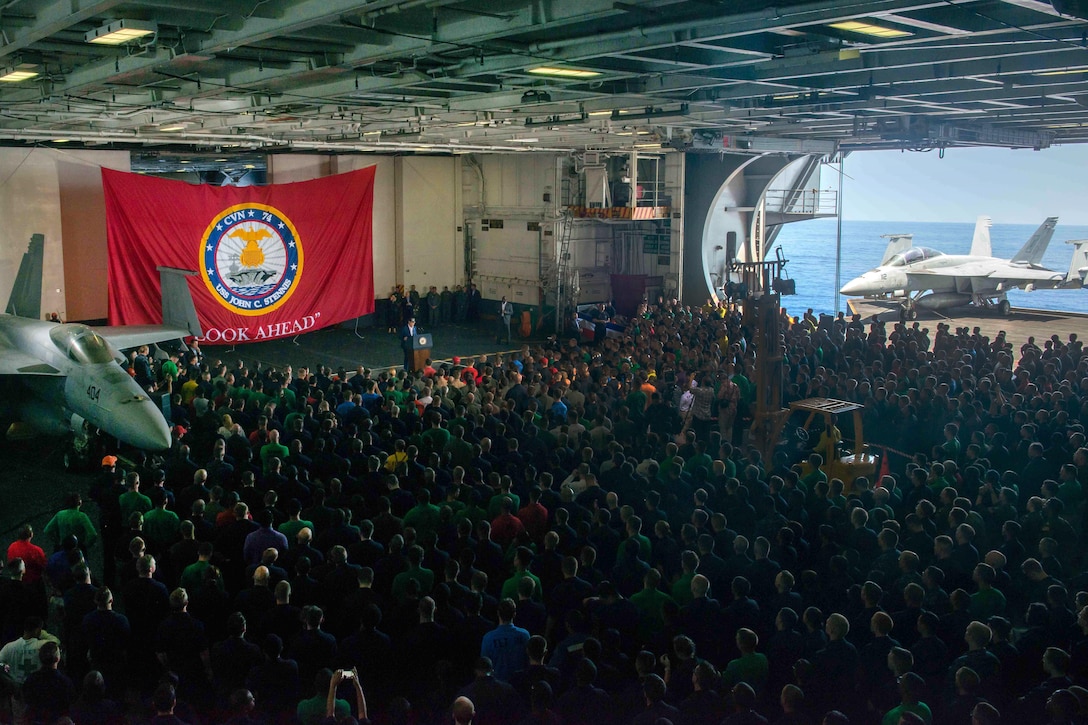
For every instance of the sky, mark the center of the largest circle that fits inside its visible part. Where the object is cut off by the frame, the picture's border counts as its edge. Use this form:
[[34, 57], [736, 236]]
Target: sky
[[1012, 187]]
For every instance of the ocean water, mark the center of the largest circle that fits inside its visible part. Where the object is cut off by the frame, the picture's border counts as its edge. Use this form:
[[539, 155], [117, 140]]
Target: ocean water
[[810, 248]]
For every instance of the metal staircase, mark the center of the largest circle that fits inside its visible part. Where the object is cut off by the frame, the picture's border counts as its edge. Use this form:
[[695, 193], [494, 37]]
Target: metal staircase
[[557, 274]]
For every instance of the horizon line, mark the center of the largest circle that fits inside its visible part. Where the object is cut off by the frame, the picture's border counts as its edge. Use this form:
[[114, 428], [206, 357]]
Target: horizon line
[[971, 222]]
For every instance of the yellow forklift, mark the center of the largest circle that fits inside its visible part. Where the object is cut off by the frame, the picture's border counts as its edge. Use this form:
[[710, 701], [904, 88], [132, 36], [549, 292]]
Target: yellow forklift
[[843, 465], [763, 315]]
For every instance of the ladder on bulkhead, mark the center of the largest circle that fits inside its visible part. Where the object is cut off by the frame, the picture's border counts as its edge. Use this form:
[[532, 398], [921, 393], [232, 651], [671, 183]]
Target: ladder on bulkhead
[[564, 295], [757, 232]]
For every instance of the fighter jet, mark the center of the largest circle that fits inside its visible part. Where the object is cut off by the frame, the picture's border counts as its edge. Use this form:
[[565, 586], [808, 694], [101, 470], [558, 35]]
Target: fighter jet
[[932, 280], [54, 376]]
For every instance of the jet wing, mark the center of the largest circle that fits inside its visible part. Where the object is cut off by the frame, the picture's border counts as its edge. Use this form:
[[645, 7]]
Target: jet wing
[[981, 270], [968, 269], [980, 277], [13, 362], [129, 336]]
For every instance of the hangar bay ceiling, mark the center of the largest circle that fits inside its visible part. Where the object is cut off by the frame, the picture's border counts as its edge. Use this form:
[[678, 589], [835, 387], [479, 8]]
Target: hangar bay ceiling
[[503, 75]]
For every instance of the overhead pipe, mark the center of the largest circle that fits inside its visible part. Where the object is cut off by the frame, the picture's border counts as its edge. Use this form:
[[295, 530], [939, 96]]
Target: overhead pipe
[[754, 15], [378, 9], [258, 143]]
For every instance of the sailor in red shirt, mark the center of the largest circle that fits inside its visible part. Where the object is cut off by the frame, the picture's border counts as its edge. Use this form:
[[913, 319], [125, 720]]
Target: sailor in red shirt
[[506, 527], [31, 554], [534, 517]]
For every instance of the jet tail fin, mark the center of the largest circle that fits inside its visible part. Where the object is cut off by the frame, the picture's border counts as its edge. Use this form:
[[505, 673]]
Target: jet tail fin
[[980, 242], [177, 302], [1033, 250], [897, 243], [26, 293], [1078, 265]]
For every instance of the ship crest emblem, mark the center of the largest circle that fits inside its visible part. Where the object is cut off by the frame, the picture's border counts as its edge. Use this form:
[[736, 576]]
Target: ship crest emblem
[[251, 258]]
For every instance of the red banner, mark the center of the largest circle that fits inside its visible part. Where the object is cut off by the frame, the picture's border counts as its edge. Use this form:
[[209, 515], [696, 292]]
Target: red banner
[[271, 261]]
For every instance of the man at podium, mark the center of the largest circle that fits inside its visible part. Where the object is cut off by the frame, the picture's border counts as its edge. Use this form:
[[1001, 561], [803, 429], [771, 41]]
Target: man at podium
[[406, 334]]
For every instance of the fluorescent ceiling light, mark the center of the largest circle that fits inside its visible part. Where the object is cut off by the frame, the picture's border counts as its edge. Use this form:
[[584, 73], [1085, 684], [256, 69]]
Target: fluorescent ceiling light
[[185, 161], [120, 32], [563, 72], [525, 140], [600, 113], [552, 121], [647, 146], [61, 140], [922, 24], [249, 166], [14, 75], [220, 161], [1066, 72], [878, 31], [177, 127], [651, 112]]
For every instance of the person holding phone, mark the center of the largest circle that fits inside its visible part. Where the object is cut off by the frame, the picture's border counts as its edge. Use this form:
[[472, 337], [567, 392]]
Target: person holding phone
[[331, 717]]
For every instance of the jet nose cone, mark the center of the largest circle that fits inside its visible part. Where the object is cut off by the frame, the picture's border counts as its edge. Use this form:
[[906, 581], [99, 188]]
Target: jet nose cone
[[142, 425], [855, 286], [157, 438]]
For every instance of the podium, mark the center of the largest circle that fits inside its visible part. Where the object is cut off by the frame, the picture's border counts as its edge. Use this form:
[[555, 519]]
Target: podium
[[421, 350]]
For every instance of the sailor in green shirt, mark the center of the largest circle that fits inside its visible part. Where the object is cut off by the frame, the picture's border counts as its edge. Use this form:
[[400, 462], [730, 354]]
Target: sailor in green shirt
[[650, 603], [814, 476], [287, 398], [273, 449], [747, 391], [312, 711], [70, 521], [910, 688], [192, 578], [294, 523], [668, 462], [460, 451], [259, 398], [415, 570], [161, 526], [436, 437], [523, 557], [399, 396], [472, 512], [636, 401], [494, 506], [724, 468], [170, 367], [634, 531], [453, 501], [681, 588], [751, 667], [949, 450], [1069, 489], [700, 460], [132, 501], [986, 602], [424, 517]]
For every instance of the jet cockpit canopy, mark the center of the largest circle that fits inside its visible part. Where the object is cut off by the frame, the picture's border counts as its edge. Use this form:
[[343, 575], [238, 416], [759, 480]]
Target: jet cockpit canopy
[[912, 255], [81, 344]]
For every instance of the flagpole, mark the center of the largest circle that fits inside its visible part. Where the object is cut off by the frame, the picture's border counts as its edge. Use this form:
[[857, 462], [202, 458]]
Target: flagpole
[[838, 234]]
